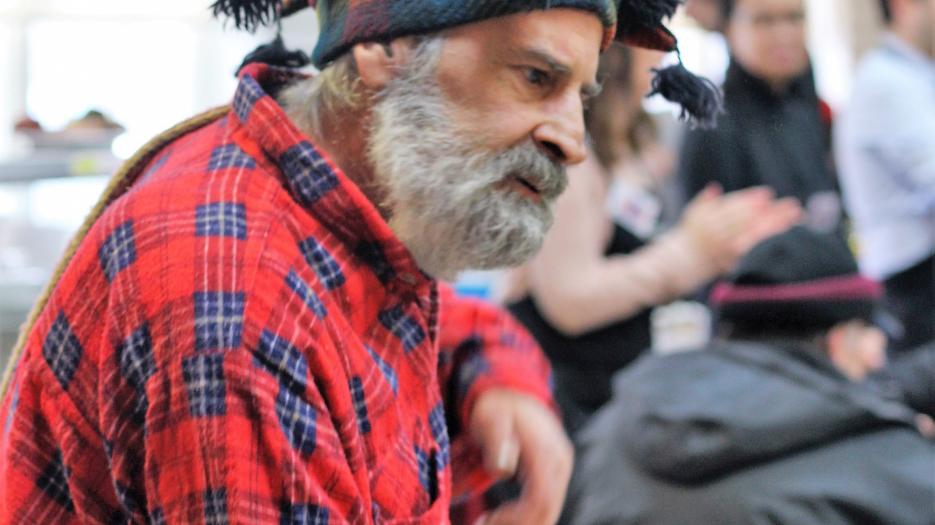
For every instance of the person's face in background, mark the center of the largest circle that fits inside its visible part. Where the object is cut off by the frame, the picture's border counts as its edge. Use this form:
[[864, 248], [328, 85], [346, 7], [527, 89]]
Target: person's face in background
[[856, 349], [644, 61], [626, 75], [767, 38], [914, 22], [707, 13]]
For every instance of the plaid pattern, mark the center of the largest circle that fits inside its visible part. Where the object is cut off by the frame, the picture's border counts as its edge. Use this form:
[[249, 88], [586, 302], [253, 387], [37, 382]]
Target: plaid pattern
[[216, 507], [284, 361], [310, 176], [62, 351], [388, 373], [230, 156], [328, 269], [304, 515], [440, 432], [360, 405], [218, 320], [221, 219], [204, 381], [54, 483], [118, 251], [137, 366], [306, 294], [265, 359], [406, 328]]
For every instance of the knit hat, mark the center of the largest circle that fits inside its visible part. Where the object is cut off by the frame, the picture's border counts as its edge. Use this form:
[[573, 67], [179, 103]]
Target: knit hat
[[798, 281], [344, 23]]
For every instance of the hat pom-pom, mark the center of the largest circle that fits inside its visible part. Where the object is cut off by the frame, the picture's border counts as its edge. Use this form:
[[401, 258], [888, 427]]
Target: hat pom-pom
[[700, 99], [649, 12], [248, 14], [275, 53]]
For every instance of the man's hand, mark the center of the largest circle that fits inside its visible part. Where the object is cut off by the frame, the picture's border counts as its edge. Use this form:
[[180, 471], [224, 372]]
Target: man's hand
[[727, 226], [519, 435]]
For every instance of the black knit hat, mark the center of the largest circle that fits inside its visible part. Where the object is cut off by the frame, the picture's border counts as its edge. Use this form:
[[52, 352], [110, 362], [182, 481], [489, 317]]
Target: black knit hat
[[798, 281], [343, 23]]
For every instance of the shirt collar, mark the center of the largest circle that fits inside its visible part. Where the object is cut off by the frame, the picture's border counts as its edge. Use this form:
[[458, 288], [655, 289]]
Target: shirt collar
[[739, 80], [319, 185], [896, 45]]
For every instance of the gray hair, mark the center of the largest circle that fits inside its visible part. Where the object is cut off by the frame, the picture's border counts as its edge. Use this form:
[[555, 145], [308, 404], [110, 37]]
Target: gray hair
[[336, 87]]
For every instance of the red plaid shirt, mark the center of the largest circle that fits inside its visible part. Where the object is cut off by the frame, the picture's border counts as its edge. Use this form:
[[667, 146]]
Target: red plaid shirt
[[240, 338]]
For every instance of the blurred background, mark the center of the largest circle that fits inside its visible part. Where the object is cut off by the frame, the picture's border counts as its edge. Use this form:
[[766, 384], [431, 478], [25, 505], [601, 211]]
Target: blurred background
[[86, 82]]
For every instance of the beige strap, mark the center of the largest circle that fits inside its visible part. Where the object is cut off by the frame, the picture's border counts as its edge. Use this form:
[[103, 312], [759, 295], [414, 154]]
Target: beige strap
[[118, 185]]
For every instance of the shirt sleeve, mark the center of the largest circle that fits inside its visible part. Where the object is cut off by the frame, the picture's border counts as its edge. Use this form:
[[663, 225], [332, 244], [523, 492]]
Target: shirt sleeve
[[481, 348]]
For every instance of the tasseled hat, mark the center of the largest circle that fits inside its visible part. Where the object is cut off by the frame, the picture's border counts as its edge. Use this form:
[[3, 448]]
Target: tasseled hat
[[344, 23]]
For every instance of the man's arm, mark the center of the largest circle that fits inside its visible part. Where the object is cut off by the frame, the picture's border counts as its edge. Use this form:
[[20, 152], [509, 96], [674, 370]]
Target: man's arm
[[481, 348], [503, 420]]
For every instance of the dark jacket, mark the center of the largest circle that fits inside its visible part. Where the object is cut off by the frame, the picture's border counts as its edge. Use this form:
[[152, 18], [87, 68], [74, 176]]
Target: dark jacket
[[911, 378], [749, 434], [764, 138]]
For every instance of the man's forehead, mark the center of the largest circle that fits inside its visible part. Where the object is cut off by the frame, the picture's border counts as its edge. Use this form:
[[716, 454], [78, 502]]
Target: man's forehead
[[569, 46]]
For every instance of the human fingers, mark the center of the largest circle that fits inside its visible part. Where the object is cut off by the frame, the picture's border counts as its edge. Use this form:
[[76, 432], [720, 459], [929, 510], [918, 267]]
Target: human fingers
[[545, 468], [492, 429]]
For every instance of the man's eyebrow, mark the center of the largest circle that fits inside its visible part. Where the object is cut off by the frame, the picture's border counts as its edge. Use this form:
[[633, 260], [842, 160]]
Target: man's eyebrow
[[553, 63], [589, 90]]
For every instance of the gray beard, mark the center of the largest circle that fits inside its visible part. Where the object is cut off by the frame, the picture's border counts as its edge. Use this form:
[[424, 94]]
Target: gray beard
[[451, 202]]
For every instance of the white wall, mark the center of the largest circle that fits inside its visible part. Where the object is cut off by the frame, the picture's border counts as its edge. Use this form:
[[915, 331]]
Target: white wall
[[146, 64]]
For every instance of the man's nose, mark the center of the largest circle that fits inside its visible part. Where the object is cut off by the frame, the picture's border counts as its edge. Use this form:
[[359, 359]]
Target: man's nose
[[561, 136]]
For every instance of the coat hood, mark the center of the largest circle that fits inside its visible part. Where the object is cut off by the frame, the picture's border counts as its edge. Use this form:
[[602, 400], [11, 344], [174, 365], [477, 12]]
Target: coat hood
[[696, 416]]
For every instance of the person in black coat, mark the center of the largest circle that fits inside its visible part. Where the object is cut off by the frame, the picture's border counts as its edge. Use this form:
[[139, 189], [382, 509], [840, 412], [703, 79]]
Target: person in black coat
[[775, 131], [911, 378], [773, 424]]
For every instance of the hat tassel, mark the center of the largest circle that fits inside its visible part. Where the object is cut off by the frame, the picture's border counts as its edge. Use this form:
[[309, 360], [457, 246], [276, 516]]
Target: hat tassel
[[248, 14], [700, 99]]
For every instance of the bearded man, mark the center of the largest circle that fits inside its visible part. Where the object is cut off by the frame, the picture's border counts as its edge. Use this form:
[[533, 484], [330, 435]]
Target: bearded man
[[249, 328]]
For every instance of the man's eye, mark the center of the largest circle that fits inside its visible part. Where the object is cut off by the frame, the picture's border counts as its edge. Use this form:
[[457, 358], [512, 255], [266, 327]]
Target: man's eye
[[536, 77]]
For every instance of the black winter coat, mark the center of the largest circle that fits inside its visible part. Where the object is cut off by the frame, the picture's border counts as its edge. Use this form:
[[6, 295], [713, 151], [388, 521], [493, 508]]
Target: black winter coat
[[749, 434]]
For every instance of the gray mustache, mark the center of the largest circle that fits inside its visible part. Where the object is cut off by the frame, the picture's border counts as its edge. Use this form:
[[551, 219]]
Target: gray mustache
[[530, 163]]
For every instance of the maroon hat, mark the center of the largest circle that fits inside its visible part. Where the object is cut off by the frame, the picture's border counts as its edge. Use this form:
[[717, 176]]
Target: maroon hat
[[798, 280]]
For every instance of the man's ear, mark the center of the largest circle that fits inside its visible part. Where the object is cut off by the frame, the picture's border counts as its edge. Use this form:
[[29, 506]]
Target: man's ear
[[379, 63]]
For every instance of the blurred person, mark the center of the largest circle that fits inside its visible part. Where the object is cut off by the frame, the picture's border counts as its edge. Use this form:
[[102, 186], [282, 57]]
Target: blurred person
[[250, 329], [910, 377], [770, 424], [775, 131], [708, 13], [587, 295], [886, 153]]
